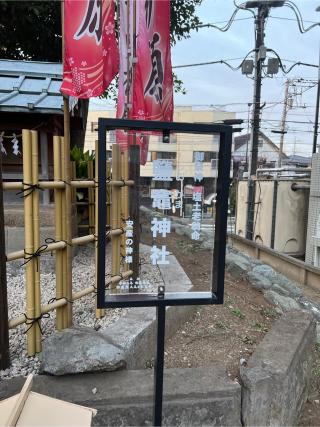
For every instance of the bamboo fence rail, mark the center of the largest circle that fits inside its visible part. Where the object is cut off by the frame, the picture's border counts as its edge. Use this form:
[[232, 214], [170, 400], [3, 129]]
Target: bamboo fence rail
[[61, 245]]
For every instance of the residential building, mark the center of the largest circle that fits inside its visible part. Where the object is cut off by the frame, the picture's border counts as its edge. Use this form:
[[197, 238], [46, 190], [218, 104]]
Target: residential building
[[297, 161], [313, 233], [268, 153], [182, 149]]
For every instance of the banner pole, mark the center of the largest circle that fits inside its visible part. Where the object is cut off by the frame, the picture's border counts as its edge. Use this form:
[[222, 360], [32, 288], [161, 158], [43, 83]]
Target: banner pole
[[66, 166], [4, 327]]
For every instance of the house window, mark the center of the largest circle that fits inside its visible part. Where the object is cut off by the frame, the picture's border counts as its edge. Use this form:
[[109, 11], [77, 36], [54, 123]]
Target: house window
[[94, 126], [208, 156], [166, 155]]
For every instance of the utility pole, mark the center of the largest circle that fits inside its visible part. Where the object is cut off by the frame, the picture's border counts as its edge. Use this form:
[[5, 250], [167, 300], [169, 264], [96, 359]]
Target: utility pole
[[286, 107], [260, 55]]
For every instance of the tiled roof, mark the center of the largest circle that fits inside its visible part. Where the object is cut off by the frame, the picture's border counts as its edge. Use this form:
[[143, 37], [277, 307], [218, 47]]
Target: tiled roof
[[32, 87]]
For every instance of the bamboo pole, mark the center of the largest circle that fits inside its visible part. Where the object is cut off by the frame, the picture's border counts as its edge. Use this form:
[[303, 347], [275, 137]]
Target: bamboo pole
[[90, 199], [100, 312], [88, 183], [51, 185], [36, 237], [115, 211], [109, 193], [77, 241], [68, 207], [64, 235], [42, 184], [73, 179], [28, 236], [58, 228], [19, 320]]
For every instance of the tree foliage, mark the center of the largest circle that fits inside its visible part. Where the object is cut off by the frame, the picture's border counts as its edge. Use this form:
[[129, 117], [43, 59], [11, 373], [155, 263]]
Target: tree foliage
[[30, 30]]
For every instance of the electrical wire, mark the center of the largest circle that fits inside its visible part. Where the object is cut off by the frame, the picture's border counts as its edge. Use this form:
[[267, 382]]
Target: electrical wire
[[291, 19], [220, 61], [299, 17]]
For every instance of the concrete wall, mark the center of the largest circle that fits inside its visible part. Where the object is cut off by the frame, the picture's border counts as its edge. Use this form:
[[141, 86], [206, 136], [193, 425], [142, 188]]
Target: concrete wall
[[276, 379], [313, 233]]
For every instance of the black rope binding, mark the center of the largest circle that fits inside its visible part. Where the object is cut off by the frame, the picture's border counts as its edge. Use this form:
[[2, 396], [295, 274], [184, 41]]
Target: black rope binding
[[51, 300], [49, 240], [30, 188], [31, 321], [35, 255]]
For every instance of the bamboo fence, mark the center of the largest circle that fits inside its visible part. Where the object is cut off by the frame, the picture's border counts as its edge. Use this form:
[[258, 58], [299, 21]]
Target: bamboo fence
[[64, 187]]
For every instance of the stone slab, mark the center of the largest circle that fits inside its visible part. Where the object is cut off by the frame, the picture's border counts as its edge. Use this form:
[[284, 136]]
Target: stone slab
[[192, 397], [276, 378]]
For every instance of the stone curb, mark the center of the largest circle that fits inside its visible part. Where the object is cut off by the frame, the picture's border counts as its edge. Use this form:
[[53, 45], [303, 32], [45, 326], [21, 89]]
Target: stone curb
[[276, 379], [192, 397]]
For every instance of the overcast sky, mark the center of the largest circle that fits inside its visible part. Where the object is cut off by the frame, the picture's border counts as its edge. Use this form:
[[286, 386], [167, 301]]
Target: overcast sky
[[220, 87]]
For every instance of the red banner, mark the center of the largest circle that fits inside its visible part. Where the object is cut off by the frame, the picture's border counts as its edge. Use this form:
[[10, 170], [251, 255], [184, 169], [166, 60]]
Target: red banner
[[152, 77], [145, 81], [91, 58]]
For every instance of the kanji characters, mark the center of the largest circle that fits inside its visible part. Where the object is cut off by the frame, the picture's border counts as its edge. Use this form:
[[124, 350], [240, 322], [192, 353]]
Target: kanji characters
[[162, 170], [129, 242], [196, 215], [198, 166], [158, 256], [161, 199], [92, 22], [154, 86], [160, 226]]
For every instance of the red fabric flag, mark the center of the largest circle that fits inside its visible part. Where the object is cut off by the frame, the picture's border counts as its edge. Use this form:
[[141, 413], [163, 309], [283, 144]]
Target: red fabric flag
[[153, 82], [91, 57], [145, 82]]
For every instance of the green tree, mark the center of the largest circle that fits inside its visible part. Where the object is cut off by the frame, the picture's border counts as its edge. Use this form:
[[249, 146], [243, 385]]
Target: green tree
[[32, 29]]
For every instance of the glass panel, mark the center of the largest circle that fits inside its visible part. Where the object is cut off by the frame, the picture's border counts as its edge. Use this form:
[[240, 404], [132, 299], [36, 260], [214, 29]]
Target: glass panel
[[176, 202]]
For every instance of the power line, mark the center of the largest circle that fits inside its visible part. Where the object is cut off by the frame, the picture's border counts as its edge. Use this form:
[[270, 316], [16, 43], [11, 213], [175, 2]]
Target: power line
[[291, 19]]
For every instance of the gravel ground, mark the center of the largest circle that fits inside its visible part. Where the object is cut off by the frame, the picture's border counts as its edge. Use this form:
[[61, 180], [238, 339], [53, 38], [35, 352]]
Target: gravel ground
[[83, 275]]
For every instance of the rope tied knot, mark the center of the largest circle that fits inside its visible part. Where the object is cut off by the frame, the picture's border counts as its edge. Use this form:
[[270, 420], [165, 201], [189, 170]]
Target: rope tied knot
[[29, 189], [36, 255], [30, 321]]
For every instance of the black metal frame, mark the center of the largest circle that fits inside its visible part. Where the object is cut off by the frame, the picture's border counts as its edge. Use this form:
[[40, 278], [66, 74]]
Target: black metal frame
[[161, 301]]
